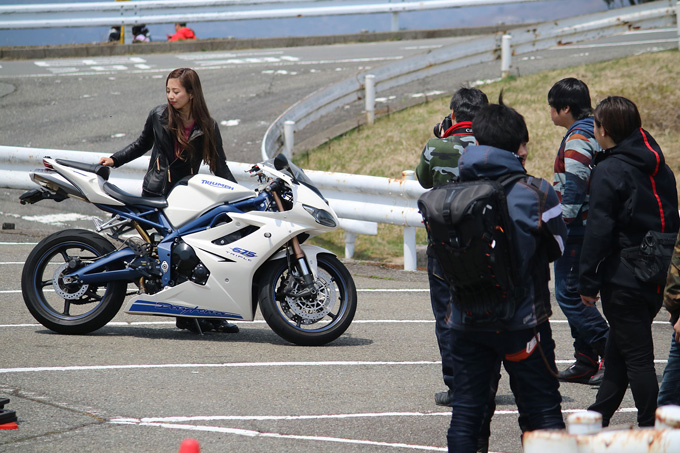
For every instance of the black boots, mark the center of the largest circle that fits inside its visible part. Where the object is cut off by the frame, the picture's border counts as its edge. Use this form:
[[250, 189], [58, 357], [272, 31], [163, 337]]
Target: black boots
[[580, 371]]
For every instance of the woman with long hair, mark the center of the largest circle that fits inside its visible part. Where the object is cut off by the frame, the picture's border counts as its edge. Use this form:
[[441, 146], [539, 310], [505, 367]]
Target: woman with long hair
[[181, 135]]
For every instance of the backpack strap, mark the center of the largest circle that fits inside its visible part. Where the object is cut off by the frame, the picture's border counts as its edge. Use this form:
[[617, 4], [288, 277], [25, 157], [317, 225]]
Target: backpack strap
[[446, 212], [507, 180], [535, 184]]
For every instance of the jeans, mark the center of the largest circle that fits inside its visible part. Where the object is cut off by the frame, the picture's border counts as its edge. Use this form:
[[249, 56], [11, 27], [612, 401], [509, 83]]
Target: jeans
[[588, 328], [476, 356], [669, 393], [629, 355], [440, 297]]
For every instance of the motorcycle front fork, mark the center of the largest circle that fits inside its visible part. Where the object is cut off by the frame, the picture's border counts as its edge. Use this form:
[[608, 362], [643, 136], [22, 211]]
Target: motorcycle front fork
[[305, 273]]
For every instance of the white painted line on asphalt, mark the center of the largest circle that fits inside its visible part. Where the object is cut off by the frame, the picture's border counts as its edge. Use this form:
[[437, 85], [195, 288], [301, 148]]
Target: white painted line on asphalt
[[393, 290], [210, 365], [18, 243], [173, 423], [253, 433], [211, 55], [213, 418], [233, 365]]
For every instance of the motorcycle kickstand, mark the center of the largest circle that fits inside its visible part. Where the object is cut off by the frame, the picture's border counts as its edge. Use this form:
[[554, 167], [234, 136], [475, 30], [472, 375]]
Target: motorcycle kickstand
[[198, 326]]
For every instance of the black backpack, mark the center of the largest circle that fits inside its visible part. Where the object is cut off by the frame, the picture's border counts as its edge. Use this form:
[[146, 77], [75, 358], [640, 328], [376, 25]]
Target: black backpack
[[470, 232]]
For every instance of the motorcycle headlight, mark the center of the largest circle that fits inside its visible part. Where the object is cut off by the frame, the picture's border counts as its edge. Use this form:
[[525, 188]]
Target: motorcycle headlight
[[322, 217]]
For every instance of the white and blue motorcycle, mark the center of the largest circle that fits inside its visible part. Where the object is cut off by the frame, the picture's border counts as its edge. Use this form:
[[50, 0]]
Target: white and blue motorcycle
[[212, 249]]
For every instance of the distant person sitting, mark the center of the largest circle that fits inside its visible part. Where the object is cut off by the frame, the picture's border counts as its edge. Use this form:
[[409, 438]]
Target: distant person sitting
[[114, 34], [182, 32], [140, 34]]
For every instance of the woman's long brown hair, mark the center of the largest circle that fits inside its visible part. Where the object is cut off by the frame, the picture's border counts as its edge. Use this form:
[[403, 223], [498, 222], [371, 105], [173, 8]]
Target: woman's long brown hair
[[188, 78]]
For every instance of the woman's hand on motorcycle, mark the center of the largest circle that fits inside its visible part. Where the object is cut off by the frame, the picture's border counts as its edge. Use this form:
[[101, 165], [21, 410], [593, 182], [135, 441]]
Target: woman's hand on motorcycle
[[106, 161]]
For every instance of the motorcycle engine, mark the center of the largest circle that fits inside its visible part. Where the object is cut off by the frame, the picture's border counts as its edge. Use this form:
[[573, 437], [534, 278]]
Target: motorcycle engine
[[149, 267], [187, 266]]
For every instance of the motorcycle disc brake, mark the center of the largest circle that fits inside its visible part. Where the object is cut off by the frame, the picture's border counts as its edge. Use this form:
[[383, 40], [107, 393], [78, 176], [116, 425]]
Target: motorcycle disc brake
[[314, 308], [64, 291]]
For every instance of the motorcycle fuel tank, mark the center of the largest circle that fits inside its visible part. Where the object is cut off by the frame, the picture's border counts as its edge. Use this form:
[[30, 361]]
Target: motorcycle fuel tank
[[191, 198]]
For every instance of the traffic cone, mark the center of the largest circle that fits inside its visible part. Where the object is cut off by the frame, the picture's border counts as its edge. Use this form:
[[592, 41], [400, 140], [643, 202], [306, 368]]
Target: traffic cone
[[190, 446]]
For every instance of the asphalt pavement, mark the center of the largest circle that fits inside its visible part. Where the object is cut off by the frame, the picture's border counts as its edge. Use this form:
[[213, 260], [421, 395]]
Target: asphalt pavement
[[139, 384], [100, 103]]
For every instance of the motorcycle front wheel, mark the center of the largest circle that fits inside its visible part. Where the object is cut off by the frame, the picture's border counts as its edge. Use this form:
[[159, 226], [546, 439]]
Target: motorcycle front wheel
[[312, 320], [60, 306]]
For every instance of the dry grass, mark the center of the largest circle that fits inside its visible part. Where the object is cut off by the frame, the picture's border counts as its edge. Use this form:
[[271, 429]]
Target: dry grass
[[394, 143]]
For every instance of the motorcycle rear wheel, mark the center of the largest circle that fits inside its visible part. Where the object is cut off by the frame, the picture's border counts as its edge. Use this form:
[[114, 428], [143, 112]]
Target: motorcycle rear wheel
[[313, 320], [69, 308]]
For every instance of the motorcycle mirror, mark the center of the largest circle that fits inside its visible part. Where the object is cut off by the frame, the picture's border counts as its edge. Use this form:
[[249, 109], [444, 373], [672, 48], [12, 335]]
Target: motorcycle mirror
[[281, 162]]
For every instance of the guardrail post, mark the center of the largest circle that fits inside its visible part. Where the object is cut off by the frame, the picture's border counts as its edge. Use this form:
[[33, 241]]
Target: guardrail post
[[369, 86], [586, 422], [677, 21], [350, 239], [667, 417], [506, 56], [410, 256], [288, 138], [395, 21]]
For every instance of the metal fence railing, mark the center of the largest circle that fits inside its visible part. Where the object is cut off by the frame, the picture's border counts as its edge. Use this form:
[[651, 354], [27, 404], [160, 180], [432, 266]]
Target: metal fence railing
[[52, 15], [364, 200], [360, 201], [478, 50]]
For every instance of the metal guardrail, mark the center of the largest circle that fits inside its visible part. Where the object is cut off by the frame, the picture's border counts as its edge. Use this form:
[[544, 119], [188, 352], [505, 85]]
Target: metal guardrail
[[360, 201], [364, 199], [478, 50], [171, 11]]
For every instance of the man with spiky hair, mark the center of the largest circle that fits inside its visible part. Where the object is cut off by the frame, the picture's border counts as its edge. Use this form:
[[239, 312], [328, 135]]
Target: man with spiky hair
[[570, 108]]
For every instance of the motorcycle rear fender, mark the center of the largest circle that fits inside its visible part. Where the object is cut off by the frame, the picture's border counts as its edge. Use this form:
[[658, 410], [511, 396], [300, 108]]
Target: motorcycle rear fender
[[89, 184], [56, 183]]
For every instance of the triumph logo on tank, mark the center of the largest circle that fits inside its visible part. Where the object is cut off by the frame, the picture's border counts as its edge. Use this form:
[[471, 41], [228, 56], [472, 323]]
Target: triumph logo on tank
[[216, 184]]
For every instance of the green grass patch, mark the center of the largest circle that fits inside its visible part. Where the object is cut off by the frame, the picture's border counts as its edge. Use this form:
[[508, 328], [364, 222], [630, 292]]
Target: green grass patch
[[395, 141]]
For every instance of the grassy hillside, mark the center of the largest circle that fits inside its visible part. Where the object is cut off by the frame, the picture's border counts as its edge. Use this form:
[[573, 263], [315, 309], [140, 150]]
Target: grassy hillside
[[394, 143]]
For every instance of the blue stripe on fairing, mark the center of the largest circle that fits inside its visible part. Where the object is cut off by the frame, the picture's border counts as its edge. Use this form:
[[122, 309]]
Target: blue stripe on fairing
[[164, 308]]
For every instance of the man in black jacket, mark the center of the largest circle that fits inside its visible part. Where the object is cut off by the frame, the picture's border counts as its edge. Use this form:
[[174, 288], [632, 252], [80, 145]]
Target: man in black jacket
[[632, 192]]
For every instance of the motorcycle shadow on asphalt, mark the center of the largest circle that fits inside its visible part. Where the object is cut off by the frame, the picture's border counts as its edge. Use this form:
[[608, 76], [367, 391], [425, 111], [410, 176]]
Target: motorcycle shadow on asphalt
[[245, 335]]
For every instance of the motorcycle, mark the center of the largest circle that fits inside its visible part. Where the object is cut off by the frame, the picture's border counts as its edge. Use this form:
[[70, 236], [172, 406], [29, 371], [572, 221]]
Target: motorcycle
[[212, 249]]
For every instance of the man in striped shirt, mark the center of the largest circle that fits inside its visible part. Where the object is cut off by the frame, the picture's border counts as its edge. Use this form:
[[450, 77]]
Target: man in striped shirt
[[570, 108]]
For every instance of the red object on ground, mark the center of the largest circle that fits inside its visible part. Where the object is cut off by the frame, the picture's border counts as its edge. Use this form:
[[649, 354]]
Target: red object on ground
[[190, 446], [14, 425]]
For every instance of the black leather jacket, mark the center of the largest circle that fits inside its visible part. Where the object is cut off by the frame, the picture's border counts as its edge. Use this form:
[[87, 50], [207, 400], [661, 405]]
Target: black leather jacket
[[632, 191], [165, 170]]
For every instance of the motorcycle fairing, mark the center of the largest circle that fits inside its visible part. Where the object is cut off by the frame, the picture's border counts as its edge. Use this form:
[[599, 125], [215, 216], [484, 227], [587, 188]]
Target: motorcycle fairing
[[164, 308], [231, 300]]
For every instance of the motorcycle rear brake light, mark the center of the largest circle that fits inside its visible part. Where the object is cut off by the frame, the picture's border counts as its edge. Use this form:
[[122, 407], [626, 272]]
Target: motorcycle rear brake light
[[47, 165]]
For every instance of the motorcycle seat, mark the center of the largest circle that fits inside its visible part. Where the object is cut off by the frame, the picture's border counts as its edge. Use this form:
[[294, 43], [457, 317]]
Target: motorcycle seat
[[97, 169], [127, 198]]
